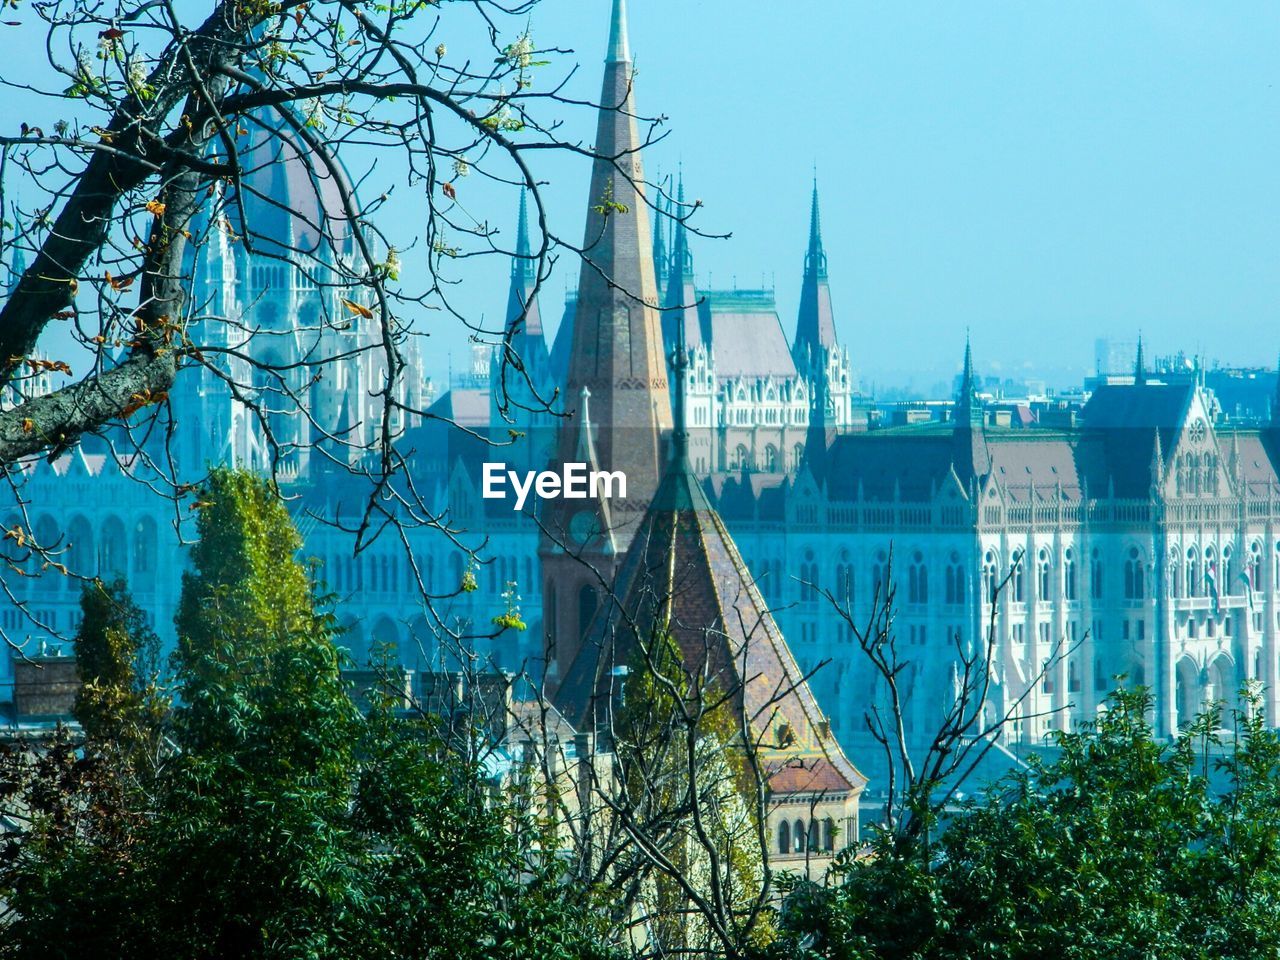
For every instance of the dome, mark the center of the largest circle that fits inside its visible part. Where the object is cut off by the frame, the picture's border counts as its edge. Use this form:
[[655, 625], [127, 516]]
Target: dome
[[292, 200]]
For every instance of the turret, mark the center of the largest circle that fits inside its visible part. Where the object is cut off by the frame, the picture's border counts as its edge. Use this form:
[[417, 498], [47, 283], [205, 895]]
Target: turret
[[815, 326]]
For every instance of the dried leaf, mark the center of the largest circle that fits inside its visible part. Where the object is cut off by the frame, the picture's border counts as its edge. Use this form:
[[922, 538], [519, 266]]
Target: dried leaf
[[155, 207], [448, 190], [358, 308]]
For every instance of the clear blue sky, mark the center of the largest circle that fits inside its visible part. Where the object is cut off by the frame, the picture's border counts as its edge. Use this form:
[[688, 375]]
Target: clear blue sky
[[1042, 174]]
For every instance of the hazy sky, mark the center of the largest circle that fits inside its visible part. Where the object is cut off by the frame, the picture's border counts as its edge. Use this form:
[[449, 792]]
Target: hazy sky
[[1041, 173]]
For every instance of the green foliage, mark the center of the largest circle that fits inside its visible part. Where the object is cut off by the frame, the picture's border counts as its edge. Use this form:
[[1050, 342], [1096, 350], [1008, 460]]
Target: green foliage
[[285, 823], [1122, 848], [117, 655]]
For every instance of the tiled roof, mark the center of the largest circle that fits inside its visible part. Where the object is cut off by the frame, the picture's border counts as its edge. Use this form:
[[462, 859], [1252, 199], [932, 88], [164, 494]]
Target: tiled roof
[[683, 573]]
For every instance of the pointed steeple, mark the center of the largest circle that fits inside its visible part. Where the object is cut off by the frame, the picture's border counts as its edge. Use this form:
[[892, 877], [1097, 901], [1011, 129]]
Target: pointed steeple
[[815, 259], [660, 244], [680, 312], [524, 277], [1139, 366], [522, 264], [968, 406], [617, 335], [619, 46], [969, 454], [616, 351], [815, 326]]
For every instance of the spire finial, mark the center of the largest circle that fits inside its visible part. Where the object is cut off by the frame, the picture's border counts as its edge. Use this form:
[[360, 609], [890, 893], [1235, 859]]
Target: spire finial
[[815, 259], [522, 265], [1139, 365], [681, 257], [619, 47]]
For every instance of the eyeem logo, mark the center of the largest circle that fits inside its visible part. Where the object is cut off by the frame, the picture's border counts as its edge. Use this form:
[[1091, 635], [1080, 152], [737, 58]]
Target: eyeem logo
[[576, 482]]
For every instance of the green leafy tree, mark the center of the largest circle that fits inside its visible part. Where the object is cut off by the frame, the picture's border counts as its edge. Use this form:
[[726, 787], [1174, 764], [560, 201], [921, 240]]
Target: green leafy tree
[[286, 823], [1121, 847]]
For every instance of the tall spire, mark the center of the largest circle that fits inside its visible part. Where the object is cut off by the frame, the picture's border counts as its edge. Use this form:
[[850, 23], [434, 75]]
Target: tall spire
[[815, 260], [524, 278], [680, 312], [1139, 366], [522, 264], [660, 242], [619, 46], [815, 326], [968, 406], [969, 453], [617, 332]]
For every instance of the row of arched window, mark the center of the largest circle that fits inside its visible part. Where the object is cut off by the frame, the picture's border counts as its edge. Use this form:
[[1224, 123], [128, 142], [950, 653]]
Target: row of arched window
[[819, 836], [1133, 586], [109, 551]]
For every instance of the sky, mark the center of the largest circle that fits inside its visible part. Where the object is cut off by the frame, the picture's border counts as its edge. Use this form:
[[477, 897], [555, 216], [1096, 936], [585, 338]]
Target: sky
[[1037, 174]]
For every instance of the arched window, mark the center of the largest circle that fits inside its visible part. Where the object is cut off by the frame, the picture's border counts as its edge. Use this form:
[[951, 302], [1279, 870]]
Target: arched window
[[989, 581], [918, 580], [1227, 582], [770, 458], [741, 459], [1133, 578], [1095, 576], [80, 554], [808, 578], [814, 839], [828, 834], [954, 585], [112, 549], [1193, 573], [798, 834], [1018, 581], [1255, 566], [784, 837], [880, 575], [797, 456], [1044, 584], [844, 578], [1069, 574], [144, 546], [1073, 677]]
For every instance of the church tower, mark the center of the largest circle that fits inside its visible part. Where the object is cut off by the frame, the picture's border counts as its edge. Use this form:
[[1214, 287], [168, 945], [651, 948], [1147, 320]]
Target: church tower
[[969, 453], [616, 359], [520, 381], [816, 326]]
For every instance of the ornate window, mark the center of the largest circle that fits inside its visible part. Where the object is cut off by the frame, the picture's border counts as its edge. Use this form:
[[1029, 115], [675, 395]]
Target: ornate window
[[1133, 578], [809, 578], [1044, 579], [1069, 574], [989, 581], [955, 581], [1017, 580], [918, 580], [1095, 575]]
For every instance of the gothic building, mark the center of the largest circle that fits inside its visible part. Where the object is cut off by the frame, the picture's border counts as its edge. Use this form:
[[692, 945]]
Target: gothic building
[[1141, 538]]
